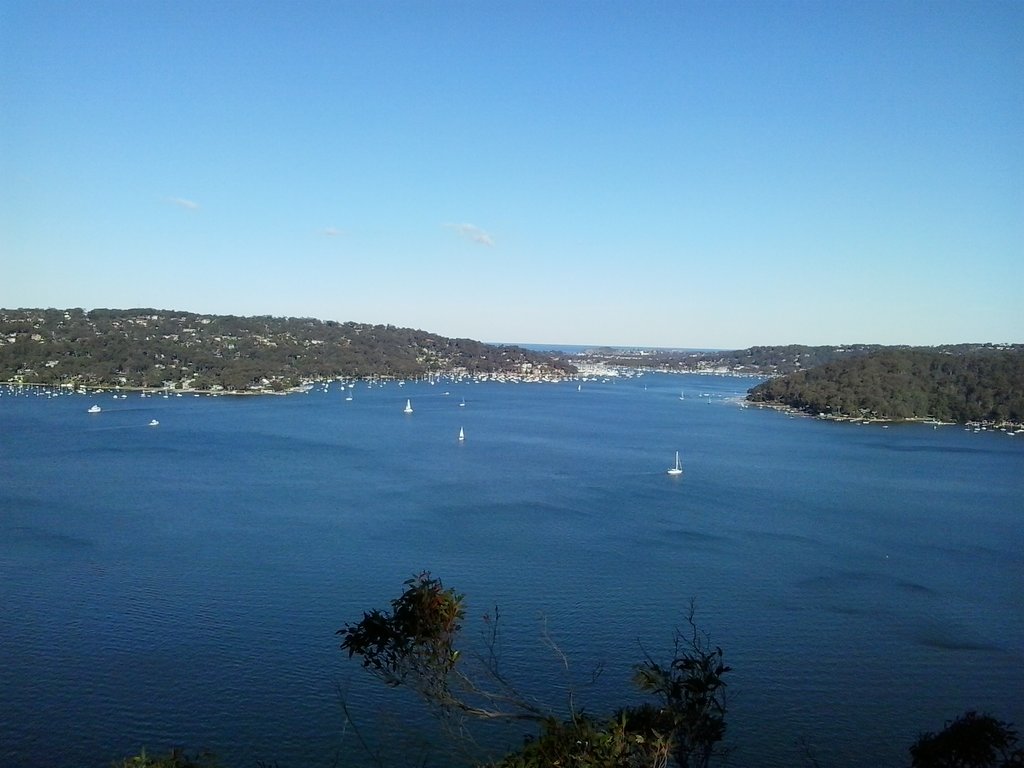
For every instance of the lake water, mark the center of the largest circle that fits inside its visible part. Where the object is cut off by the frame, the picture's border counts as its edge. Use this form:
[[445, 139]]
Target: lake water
[[182, 584]]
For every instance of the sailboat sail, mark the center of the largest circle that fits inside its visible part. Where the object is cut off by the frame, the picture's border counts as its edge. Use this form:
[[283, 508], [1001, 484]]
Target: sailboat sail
[[677, 469]]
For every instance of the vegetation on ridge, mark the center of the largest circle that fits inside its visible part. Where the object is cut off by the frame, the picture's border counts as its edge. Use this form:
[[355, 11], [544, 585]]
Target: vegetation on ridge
[[897, 384], [159, 348]]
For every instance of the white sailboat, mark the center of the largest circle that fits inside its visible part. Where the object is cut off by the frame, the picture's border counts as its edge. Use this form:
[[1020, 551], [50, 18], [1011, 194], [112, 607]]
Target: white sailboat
[[408, 406], [462, 435], [463, 403], [95, 409], [678, 468]]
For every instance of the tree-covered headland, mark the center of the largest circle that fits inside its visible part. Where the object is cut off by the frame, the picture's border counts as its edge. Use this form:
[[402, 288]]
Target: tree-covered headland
[[982, 384]]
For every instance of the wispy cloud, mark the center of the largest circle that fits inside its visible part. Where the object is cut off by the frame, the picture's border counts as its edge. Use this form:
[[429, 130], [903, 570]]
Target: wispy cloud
[[181, 202], [471, 232], [330, 232]]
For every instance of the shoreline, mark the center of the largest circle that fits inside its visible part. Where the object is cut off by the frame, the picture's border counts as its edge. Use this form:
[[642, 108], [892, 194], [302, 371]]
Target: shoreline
[[923, 420], [1011, 427], [306, 386]]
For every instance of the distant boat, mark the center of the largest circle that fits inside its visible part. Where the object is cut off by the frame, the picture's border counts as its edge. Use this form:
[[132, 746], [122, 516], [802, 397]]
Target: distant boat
[[678, 468], [408, 406], [462, 435], [463, 403], [154, 423], [95, 409], [682, 396]]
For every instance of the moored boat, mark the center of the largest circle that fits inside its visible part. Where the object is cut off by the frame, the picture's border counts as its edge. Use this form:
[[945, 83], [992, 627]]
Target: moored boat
[[676, 469]]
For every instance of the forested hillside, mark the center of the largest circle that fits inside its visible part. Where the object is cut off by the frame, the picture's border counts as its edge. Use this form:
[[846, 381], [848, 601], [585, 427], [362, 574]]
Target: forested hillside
[[155, 348], [983, 384]]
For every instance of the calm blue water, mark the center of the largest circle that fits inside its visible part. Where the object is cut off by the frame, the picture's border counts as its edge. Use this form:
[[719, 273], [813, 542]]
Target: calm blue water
[[183, 584]]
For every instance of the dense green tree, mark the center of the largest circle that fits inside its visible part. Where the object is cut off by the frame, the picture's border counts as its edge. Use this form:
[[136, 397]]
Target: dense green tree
[[970, 741]]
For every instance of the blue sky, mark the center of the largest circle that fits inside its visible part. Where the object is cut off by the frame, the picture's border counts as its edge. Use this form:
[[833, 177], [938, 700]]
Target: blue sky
[[714, 174]]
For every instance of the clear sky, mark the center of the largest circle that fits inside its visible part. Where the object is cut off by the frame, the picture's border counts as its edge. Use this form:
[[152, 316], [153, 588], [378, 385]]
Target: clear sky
[[681, 174]]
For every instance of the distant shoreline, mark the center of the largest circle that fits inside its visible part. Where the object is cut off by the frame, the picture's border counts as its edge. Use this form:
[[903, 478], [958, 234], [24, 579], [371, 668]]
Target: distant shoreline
[[923, 420], [1012, 427]]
